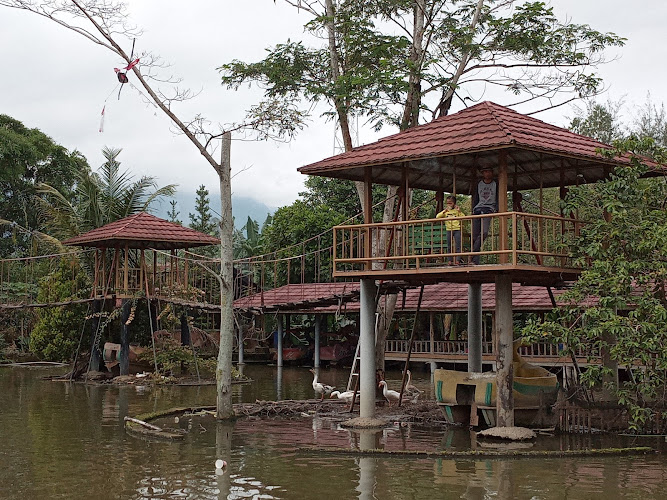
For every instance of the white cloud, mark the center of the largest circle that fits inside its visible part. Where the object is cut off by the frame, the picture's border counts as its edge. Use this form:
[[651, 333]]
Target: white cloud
[[57, 81]]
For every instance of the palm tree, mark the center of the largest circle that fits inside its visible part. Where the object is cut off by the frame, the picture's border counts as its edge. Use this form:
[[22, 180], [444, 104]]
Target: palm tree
[[100, 198]]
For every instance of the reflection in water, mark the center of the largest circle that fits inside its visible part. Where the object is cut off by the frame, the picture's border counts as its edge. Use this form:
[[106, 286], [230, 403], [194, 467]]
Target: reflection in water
[[279, 383], [223, 451], [368, 440]]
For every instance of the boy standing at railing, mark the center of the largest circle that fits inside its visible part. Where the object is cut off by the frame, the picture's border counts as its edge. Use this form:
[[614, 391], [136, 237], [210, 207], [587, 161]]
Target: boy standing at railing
[[453, 227], [484, 201]]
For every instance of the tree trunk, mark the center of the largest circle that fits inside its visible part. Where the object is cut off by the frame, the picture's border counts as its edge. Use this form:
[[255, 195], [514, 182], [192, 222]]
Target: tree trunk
[[413, 99], [446, 101], [224, 368]]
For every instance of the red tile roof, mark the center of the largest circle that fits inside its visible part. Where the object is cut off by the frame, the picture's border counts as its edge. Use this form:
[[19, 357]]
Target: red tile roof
[[143, 230], [474, 136], [332, 297]]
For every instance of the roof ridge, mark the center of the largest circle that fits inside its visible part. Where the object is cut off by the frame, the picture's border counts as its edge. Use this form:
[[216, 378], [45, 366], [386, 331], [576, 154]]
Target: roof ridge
[[492, 108], [128, 219]]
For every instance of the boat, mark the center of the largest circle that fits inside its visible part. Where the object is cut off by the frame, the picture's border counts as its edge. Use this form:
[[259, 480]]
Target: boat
[[462, 394]]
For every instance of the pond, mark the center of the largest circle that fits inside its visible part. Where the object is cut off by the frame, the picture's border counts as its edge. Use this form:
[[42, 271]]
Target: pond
[[61, 440]]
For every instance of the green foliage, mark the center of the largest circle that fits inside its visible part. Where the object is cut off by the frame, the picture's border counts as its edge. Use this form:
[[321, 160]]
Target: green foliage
[[295, 224], [99, 198], [172, 357], [29, 157], [56, 335], [599, 121], [386, 76], [619, 304], [202, 220], [173, 213]]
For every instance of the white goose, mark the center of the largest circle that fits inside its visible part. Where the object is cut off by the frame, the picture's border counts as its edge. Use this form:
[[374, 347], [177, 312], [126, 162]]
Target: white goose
[[411, 392], [319, 388], [389, 395], [345, 396]]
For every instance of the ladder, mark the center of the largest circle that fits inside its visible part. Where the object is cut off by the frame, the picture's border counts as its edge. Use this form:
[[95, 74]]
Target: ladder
[[353, 381]]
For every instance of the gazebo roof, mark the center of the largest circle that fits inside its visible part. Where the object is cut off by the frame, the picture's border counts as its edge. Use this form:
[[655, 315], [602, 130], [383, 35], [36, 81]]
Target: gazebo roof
[[323, 298], [452, 147], [143, 230]]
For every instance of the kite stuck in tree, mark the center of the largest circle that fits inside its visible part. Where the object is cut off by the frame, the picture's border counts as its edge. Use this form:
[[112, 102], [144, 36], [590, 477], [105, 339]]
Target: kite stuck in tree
[[122, 72]]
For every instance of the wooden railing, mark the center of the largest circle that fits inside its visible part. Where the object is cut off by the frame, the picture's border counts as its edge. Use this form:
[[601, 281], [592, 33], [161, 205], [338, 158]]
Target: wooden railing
[[513, 238], [458, 347]]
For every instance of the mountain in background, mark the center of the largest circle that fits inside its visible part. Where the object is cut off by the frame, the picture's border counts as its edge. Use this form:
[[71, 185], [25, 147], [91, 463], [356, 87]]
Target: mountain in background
[[242, 207]]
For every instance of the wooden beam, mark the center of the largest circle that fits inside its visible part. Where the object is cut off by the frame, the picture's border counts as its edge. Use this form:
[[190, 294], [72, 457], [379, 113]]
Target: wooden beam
[[502, 202]]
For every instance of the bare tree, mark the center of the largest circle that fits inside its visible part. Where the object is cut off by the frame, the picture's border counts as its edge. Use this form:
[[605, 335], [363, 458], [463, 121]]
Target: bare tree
[[104, 22]]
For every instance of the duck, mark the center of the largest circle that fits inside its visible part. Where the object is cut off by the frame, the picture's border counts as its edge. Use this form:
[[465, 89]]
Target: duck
[[411, 392], [389, 395], [319, 388], [345, 396]]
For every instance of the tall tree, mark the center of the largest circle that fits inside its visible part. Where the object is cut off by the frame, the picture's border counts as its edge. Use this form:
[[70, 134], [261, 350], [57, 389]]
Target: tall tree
[[104, 23], [202, 220], [29, 157], [173, 213], [442, 48]]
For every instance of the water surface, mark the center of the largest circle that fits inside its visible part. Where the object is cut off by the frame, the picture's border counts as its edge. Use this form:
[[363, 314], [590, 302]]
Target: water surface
[[61, 440]]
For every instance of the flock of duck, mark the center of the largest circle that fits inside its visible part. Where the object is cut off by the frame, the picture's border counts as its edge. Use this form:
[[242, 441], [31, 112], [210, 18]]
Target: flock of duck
[[410, 393]]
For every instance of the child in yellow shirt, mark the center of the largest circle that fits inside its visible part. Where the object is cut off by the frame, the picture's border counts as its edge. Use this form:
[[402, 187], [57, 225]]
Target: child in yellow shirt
[[453, 227]]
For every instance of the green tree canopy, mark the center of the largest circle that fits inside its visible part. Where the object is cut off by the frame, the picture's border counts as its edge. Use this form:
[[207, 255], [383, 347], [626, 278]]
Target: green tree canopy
[[99, 198], [623, 287], [29, 157]]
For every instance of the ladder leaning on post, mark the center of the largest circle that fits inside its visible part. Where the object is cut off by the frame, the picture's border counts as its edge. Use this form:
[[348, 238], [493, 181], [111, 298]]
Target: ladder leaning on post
[[353, 380]]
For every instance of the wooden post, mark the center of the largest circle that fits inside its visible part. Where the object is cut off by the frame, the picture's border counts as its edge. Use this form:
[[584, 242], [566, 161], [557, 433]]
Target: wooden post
[[96, 279], [431, 332], [505, 354], [116, 258], [155, 273], [125, 269], [368, 213], [474, 327], [142, 274], [317, 341], [279, 343], [241, 360], [125, 338], [94, 326], [502, 202]]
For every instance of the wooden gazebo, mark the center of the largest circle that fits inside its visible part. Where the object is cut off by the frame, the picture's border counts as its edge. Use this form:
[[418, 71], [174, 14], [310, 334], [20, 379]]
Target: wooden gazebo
[[446, 155], [137, 254]]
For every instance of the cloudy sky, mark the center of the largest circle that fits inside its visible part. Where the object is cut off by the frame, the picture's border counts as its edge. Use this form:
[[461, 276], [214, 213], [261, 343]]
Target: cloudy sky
[[57, 81]]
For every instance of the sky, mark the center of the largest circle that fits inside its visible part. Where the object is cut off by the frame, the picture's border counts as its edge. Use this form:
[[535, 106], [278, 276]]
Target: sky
[[57, 81]]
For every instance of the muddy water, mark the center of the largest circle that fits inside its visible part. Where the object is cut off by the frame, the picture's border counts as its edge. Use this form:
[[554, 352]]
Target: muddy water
[[67, 441]]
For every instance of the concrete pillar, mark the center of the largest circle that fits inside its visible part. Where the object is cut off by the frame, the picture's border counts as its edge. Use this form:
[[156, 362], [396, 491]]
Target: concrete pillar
[[279, 346], [505, 353], [367, 343], [125, 338], [316, 362], [475, 327]]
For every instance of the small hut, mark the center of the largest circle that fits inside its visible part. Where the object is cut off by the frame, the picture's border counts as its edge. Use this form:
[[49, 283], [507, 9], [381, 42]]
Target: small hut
[[137, 256]]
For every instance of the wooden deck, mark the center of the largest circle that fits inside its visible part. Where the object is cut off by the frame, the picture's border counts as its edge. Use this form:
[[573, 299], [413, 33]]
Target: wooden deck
[[533, 249]]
